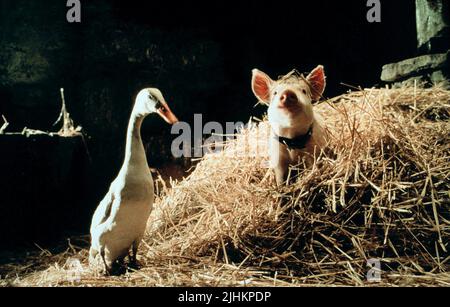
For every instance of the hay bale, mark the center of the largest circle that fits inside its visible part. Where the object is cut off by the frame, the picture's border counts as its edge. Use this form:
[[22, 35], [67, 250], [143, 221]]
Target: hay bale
[[382, 192]]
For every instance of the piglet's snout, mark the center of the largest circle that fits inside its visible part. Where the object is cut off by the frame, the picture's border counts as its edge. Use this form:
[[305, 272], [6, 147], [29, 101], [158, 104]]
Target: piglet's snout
[[288, 99]]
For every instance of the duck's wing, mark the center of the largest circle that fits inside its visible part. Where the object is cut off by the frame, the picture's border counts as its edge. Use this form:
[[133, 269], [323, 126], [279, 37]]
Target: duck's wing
[[103, 211], [107, 206]]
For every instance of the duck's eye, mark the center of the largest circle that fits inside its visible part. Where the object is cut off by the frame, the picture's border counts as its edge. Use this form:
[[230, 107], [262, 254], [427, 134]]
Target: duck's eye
[[275, 93], [161, 107]]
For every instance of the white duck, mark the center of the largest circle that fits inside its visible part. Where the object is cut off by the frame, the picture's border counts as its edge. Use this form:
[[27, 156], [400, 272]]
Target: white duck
[[120, 220]]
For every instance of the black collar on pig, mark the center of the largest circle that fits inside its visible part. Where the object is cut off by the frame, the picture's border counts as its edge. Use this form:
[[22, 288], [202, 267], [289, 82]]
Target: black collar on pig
[[298, 142]]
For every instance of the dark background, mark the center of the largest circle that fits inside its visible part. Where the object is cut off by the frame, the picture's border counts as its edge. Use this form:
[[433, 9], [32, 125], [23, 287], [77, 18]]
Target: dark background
[[199, 53]]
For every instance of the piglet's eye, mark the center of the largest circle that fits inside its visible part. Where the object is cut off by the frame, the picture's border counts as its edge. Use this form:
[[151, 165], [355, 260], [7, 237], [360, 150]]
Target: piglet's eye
[[275, 93], [304, 91]]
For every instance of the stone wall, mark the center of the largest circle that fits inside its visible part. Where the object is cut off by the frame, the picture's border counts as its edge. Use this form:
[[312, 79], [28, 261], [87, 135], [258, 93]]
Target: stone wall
[[431, 66], [433, 25], [425, 69]]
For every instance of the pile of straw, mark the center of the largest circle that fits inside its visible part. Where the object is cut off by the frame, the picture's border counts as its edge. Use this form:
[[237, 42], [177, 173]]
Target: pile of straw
[[381, 192]]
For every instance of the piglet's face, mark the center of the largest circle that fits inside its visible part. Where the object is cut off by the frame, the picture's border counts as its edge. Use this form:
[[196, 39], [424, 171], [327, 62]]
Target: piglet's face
[[291, 94]]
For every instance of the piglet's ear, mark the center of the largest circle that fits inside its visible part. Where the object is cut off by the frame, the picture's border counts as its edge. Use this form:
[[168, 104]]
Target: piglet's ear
[[317, 82], [261, 85]]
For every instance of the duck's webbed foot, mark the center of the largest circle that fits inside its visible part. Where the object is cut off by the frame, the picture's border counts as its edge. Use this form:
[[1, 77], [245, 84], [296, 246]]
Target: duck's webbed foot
[[134, 263]]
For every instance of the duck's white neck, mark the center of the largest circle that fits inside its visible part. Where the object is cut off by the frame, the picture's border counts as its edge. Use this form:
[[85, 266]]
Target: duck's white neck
[[134, 150]]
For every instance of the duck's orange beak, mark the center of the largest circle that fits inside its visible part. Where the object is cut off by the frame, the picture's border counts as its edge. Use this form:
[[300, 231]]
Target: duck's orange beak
[[167, 114]]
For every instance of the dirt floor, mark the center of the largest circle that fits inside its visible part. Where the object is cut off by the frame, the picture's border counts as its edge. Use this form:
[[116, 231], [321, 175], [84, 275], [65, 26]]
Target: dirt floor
[[68, 268]]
